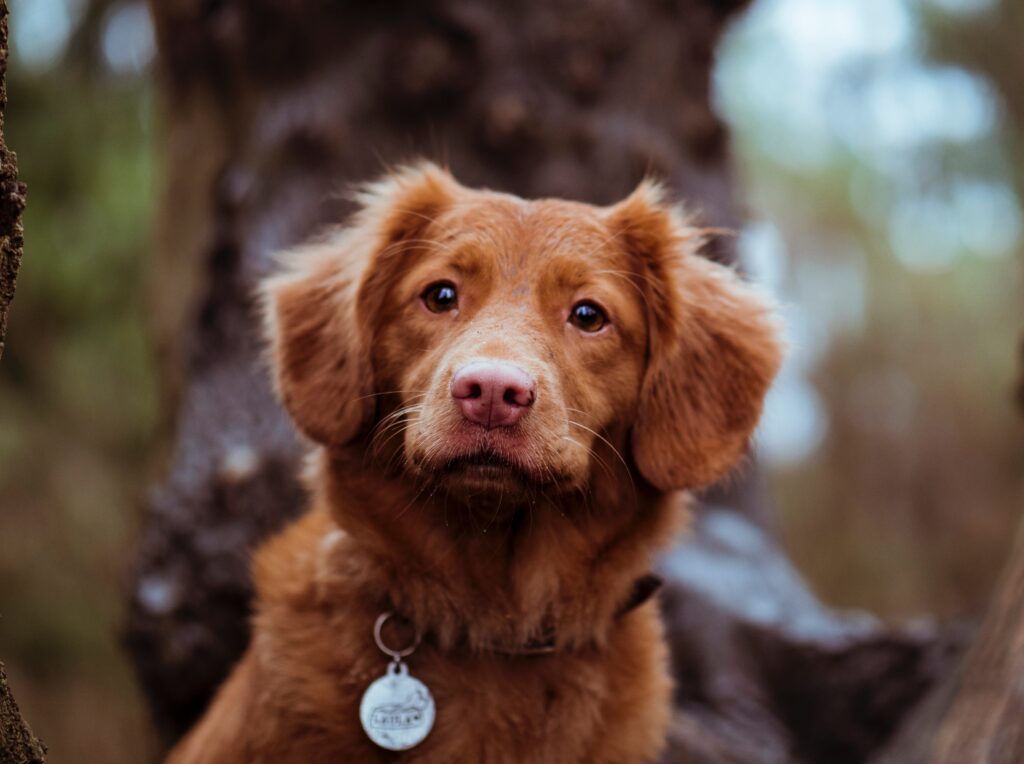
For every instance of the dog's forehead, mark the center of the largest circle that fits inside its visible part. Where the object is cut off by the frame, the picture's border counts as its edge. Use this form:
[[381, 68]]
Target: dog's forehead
[[514, 234]]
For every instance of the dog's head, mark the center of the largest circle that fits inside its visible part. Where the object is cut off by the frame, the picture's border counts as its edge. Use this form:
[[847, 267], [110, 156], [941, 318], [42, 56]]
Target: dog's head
[[495, 344]]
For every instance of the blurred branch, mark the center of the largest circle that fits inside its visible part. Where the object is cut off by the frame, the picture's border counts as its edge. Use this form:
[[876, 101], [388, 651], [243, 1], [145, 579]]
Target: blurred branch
[[766, 673], [990, 44], [84, 49], [12, 197], [1019, 391], [975, 715], [984, 722], [17, 743], [1020, 375]]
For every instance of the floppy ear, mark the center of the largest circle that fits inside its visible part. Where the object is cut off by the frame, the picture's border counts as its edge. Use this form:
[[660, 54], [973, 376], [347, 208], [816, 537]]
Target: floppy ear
[[318, 338], [713, 349]]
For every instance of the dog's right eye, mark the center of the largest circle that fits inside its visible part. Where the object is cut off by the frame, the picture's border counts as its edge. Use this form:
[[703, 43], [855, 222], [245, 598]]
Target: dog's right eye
[[440, 297]]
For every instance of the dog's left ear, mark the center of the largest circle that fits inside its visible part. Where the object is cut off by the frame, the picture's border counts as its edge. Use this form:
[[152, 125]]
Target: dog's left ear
[[713, 349]]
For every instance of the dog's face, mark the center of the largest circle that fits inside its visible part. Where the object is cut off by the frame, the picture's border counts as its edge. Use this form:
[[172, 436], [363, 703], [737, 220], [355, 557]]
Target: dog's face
[[496, 345], [516, 335]]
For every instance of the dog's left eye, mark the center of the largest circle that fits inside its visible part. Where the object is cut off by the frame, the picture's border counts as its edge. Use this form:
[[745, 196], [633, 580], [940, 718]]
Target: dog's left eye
[[440, 297], [587, 317]]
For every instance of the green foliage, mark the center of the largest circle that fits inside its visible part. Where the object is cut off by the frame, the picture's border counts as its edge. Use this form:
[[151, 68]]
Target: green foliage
[[909, 213], [77, 404]]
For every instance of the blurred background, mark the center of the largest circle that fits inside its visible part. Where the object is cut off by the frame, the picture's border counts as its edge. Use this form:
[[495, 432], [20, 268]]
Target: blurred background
[[879, 143]]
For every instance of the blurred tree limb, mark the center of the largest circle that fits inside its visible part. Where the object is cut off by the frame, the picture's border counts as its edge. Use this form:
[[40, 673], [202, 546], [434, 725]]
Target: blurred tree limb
[[977, 713], [986, 720], [12, 197], [989, 42]]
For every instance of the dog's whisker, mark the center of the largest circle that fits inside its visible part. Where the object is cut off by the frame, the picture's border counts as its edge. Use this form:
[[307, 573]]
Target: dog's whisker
[[625, 465], [416, 394], [381, 445], [398, 453], [394, 423], [604, 440], [600, 462], [388, 424]]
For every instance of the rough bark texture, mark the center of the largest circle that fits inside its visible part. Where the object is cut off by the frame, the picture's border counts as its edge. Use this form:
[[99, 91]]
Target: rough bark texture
[[271, 108], [17, 743], [12, 198]]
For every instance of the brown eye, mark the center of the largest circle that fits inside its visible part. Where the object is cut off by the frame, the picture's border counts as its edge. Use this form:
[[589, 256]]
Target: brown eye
[[440, 297], [587, 317]]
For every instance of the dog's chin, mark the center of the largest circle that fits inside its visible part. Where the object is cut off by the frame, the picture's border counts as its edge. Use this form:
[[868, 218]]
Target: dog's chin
[[485, 474]]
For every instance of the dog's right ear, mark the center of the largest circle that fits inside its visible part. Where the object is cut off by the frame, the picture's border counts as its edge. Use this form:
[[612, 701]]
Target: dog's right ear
[[318, 341]]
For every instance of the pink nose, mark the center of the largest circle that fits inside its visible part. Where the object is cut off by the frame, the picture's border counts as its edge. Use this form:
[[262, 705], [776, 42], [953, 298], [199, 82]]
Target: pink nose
[[492, 393]]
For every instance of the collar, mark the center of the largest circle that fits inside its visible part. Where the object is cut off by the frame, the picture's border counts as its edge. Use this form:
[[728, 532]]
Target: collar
[[644, 588]]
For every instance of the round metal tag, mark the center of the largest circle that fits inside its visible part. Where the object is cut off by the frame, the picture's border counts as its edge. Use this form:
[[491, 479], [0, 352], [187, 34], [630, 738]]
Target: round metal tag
[[397, 710]]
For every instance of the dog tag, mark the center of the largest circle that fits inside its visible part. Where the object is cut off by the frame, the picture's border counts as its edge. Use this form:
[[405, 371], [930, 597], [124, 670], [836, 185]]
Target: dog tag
[[397, 711]]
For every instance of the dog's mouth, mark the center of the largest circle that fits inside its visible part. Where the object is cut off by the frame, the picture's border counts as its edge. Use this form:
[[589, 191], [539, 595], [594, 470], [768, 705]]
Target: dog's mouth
[[487, 471], [486, 463], [474, 463]]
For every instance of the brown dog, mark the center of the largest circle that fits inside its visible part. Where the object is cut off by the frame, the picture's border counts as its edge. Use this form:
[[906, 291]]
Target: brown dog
[[507, 397]]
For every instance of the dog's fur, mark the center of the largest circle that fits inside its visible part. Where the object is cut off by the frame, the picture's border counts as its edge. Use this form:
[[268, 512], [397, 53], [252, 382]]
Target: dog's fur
[[482, 559]]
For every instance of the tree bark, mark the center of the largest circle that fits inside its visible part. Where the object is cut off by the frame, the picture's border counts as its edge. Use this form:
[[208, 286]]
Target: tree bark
[[270, 109], [12, 198], [17, 743]]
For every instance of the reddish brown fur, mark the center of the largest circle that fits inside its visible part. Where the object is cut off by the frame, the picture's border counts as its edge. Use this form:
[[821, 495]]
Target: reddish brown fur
[[662, 400]]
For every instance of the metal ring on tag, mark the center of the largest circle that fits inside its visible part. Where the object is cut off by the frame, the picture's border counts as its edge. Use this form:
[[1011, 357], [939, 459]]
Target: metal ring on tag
[[397, 710], [396, 655]]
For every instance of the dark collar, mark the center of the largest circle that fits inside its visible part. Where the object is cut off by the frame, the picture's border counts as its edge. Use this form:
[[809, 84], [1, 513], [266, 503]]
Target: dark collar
[[643, 589]]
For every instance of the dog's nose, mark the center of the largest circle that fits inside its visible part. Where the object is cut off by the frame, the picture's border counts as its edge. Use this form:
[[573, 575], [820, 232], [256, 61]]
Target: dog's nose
[[492, 393]]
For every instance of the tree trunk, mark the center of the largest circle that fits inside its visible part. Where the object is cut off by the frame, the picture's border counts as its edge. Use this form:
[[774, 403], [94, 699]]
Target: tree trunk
[[12, 198], [270, 109], [17, 743]]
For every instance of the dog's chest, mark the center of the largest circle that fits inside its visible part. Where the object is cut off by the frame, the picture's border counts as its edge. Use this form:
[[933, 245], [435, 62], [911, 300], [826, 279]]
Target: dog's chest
[[516, 709], [488, 708]]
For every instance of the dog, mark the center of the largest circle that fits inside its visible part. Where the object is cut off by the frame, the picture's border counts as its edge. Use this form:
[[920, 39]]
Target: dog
[[509, 401]]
